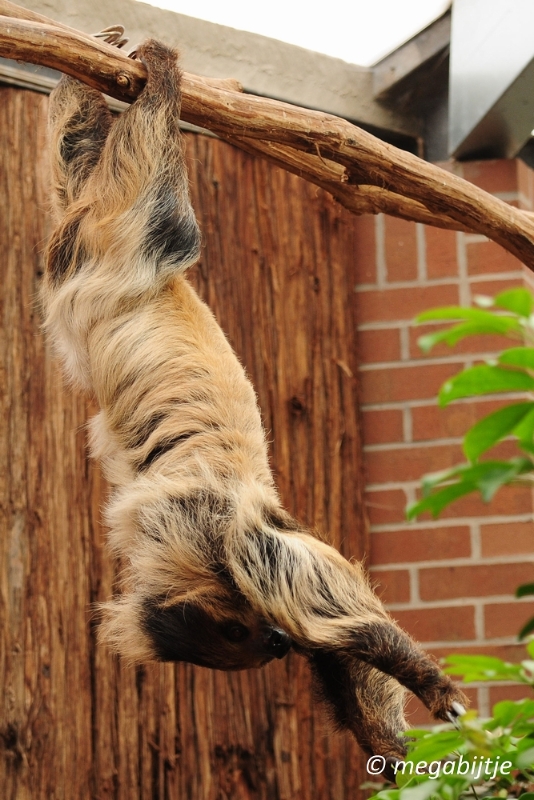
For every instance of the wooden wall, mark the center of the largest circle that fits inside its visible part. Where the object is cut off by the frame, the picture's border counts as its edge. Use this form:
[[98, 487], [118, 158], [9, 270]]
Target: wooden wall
[[278, 269]]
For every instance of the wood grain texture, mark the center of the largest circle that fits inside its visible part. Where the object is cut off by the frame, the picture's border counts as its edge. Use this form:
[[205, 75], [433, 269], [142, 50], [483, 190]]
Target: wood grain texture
[[363, 173], [278, 270]]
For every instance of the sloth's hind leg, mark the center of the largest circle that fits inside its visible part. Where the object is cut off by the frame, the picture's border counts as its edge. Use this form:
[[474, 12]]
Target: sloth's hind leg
[[363, 700]]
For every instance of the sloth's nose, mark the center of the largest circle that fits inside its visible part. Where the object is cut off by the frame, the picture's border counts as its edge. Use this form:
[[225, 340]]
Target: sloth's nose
[[279, 643]]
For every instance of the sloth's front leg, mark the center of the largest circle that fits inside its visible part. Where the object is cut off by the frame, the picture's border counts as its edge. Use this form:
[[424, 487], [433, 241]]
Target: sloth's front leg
[[326, 604], [387, 648]]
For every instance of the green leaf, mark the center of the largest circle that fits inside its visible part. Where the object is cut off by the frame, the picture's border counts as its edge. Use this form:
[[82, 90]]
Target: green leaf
[[521, 357], [494, 325], [524, 590], [486, 477], [385, 794], [526, 761], [525, 430], [435, 503], [421, 792], [435, 747], [484, 379], [459, 312], [518, 300], [474, 662], [530, 648], [527, 628], [505, 712], [482, 668], [494, 427]]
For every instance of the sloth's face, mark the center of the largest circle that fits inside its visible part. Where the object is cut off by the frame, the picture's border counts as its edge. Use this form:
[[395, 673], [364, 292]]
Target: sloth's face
[[222, 637]]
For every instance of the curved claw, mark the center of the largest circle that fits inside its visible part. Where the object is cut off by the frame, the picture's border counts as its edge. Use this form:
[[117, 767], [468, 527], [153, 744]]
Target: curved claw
[[113, 35], [136, 57], [457, 710]]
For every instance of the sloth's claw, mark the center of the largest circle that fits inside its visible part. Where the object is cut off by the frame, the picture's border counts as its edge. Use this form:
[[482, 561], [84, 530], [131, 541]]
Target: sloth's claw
[[457, 710], [114, 35]]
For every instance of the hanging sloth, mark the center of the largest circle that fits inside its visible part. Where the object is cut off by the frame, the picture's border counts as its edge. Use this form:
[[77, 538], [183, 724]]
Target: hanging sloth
[[218, 573]]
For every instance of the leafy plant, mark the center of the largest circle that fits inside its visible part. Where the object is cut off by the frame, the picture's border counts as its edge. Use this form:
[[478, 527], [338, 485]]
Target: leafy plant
[[510, 314], [496, 756]]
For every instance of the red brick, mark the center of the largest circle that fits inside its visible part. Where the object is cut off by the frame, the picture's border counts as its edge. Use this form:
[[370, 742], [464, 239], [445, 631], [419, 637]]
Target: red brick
[[390, 305], [431, 422], [515, 692], [506, 619], [507, 538], [396, 384], [392, 585], [424, 544], [495, 175], [409, 463], [438, 624], [503, 450], [477, 580], [418, 716], [365, 248], [401, 249], [486, 257], [440, 253], [471, 345], [490, 288], [379, 345], [380, 427], [386, 506]]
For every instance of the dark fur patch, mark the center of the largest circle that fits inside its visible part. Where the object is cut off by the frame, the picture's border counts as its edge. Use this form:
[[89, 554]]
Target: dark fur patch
[[331, 608], [179, 633], [141, 433], [207, 514], [203, 503], [392, 651], [162, 447], [84, 139], [170, 236], [66, 254], [357, 696], [331, 682], [280, 520], [126, 383], [188, 632], [265, 561]]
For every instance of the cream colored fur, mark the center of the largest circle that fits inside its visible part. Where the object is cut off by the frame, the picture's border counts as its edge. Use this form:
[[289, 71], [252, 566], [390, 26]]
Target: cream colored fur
[[194, 514]]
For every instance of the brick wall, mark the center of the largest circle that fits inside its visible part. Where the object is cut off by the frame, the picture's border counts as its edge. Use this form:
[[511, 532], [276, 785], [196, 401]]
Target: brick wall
[[449, 582]]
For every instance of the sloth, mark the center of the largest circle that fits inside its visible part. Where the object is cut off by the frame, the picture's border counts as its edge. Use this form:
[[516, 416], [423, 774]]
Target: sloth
[[216, 572]]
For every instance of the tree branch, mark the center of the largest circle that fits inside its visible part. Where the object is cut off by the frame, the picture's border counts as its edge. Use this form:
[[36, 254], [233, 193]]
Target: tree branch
[[363, 173]]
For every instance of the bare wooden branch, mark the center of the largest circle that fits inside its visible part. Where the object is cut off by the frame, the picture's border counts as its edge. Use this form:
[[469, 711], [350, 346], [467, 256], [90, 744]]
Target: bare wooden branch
[[363, 173]]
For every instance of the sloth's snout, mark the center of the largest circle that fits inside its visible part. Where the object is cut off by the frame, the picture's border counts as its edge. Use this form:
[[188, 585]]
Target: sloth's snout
[[278, 642]]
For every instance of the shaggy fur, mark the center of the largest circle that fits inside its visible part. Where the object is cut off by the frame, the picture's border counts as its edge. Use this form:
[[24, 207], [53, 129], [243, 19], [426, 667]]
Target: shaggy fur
[[218, 574]]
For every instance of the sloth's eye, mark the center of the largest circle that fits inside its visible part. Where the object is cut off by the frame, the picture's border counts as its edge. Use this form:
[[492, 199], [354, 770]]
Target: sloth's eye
[[237, 632]]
